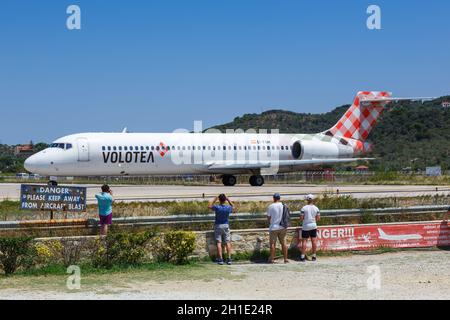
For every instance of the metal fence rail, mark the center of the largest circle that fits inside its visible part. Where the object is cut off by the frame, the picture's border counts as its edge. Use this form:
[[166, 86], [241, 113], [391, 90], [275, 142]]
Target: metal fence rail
[[262, 216], [209, 218]]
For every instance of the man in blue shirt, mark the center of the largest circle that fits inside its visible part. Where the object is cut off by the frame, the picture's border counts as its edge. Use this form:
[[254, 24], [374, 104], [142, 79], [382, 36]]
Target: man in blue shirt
[[105, 201], [221, 225]]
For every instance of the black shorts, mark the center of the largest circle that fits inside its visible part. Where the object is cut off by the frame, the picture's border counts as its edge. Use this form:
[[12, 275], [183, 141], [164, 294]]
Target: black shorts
[[309, 234]]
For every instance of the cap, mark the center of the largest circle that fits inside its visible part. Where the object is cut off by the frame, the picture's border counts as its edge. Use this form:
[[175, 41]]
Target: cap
[[310, 197], [277, 196]]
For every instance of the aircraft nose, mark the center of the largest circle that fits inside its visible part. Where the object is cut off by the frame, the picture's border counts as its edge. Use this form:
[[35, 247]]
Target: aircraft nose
[[30, 164]]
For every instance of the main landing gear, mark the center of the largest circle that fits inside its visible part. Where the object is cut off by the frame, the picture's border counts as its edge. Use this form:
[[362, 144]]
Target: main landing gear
[[256, 180], [230, 180]]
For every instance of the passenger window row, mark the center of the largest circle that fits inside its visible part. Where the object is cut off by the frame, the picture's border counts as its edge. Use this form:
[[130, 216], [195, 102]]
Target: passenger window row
[[213, 148]]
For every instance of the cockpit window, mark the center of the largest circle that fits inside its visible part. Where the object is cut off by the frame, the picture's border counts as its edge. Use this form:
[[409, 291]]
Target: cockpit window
[[64, 146], [57, 145]]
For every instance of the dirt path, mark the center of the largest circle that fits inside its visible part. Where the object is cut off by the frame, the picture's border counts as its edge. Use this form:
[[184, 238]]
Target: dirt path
[[403, 275]]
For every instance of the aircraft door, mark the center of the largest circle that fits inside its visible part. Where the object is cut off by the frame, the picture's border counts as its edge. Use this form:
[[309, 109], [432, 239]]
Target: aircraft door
[[83, 149]]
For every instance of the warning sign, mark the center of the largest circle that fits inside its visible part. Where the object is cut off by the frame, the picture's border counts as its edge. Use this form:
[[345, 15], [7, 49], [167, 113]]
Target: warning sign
[[53, 198], [396, 235]]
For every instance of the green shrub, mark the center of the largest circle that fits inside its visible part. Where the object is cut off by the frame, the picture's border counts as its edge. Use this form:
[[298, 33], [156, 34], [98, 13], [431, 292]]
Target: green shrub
[[332, 202], [385, 176], [377, 203], [189, 208], [176, 246], [16, 252], [123, 249], [47, 253], [254, 256], [8, 207], [70, 251], [367, 217]]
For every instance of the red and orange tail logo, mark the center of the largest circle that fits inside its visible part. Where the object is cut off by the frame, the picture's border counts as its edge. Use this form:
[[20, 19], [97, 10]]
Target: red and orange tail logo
[[361, 117], [162, 149]]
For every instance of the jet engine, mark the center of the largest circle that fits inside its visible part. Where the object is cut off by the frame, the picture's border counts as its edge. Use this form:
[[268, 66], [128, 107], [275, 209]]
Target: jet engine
[[311, 149]]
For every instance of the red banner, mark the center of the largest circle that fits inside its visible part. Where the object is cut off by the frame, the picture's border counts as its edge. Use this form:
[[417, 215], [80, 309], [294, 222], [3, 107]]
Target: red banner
[[395, 235]]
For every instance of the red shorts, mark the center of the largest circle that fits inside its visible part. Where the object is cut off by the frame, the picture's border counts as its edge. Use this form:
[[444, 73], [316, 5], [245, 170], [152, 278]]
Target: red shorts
[[106, 220]]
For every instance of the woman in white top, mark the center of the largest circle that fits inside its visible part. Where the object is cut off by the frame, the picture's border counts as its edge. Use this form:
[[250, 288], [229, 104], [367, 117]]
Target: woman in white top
[[310, 214]]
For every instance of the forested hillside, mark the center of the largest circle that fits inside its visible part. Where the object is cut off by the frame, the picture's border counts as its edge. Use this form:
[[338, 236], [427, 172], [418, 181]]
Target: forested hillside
[[11, 163], [408, 134], [411, 135]]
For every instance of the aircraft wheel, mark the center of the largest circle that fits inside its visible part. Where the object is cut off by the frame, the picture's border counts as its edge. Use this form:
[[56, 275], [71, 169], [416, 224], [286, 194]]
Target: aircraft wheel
[[256, 181], [229, 180]]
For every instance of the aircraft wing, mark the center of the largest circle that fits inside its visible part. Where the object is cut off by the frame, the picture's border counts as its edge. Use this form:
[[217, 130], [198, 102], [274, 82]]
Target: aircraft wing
[[236, 165]]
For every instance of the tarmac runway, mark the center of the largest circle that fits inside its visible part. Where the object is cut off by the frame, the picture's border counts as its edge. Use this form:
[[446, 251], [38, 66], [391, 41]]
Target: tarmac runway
[[129, 193]]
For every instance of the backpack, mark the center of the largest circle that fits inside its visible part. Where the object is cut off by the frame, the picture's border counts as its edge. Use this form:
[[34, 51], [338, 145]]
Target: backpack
[[286, 217]]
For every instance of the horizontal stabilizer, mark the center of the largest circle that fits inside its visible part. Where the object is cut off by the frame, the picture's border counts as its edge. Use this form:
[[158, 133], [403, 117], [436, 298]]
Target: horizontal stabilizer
[[367, 101], [361, 117]]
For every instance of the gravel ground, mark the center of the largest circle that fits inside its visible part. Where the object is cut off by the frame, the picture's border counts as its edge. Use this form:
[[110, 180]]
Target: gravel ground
[[403, 275]]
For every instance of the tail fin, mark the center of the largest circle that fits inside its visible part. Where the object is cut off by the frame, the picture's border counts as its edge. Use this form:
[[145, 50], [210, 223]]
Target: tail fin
[[361, 117]]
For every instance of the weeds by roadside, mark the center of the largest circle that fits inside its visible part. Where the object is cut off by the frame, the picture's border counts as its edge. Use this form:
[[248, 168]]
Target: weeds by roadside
[[10, 210]]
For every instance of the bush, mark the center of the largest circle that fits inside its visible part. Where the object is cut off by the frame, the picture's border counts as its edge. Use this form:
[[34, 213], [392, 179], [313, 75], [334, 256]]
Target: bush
[[254, 256], [66, 251], [176, 246], [189, 208], [44, 254], [340, 202], [377, 203], [384, 176], [16, 252], [70, 251], [124, 249], [367, 217]]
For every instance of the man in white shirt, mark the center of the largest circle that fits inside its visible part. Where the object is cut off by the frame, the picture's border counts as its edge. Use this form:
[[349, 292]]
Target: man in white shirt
[[310, 214], [276, 231]]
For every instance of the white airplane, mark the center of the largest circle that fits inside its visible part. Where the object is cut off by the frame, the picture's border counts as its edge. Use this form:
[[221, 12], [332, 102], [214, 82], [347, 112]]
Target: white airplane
[[225, 154], [398, 237]]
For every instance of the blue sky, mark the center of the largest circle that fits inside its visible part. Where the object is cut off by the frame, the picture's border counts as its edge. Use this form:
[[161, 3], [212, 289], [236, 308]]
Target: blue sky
[[155, 66]]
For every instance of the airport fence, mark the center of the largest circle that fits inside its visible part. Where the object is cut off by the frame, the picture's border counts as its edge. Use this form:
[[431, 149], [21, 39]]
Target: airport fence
[[198, 222], [312, 176]]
